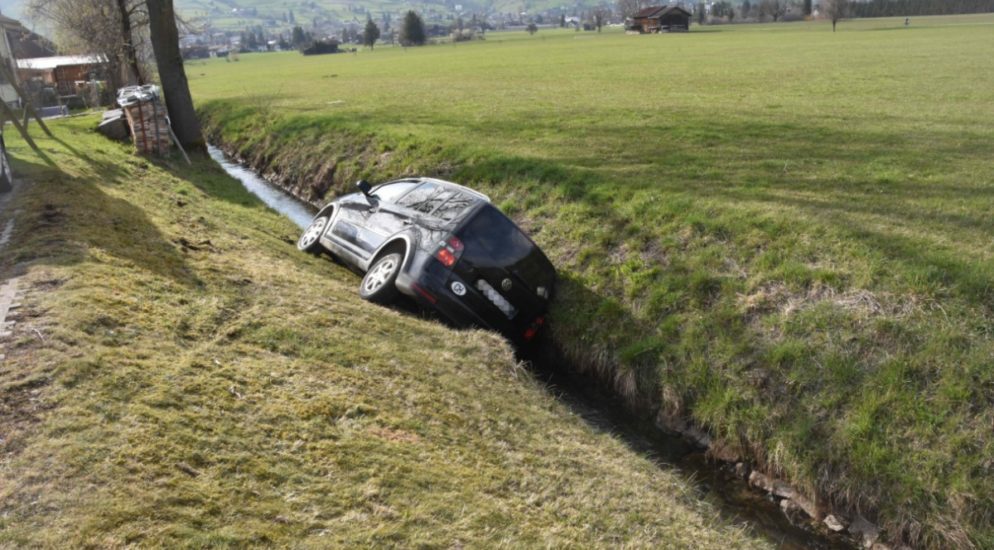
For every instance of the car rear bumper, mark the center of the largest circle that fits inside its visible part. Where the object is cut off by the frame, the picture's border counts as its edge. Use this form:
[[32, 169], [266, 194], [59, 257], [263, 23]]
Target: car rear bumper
[[433, 289]]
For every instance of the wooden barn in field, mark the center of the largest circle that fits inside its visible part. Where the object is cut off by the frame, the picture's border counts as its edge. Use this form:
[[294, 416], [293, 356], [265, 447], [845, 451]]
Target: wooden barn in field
[[660, 19]]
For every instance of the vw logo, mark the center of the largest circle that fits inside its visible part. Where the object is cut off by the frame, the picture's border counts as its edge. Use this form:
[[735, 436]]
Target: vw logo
[[506, 284], [458, 288]]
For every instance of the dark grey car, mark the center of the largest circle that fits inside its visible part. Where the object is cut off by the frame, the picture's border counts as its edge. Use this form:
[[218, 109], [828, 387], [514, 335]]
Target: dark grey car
[[442, 244]]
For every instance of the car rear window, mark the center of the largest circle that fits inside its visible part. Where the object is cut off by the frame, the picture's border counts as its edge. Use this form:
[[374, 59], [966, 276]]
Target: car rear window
[[492, 239]]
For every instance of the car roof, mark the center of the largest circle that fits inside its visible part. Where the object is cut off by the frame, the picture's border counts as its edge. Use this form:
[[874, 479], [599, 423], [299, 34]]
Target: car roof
[[445, 183]]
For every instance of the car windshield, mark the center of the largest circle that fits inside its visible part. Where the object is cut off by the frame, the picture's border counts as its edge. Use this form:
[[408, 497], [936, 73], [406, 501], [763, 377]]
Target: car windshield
[[491, 239], [390, 192]]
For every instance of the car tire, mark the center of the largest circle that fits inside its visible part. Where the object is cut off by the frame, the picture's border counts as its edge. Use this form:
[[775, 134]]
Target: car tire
[[379, 285], [310, 239]]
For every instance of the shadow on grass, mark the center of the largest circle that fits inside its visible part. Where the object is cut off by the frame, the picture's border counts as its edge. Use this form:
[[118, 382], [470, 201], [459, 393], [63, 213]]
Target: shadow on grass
[[599, 336], [209, 178], [719, 165], [928, 263], [107, 170], [621, 399], [874, 203], [67, 221]]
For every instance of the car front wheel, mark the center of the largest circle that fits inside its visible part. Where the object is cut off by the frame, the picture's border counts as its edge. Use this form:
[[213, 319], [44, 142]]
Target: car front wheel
[[379, 285], [309, 241]]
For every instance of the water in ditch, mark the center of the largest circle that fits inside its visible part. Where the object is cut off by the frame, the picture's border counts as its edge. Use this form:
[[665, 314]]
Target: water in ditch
[[716, 483], [298, 211], [730, 495]]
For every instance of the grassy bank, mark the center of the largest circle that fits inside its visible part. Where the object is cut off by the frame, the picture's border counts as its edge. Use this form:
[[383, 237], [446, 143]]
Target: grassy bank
[[781, 232], [180, 376]]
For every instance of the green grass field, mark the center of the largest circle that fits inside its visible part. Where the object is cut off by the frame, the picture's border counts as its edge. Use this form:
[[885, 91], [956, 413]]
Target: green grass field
[[781, 232], [181, 377]]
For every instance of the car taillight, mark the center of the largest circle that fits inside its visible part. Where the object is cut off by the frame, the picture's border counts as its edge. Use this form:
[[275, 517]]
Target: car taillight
[[449, 251], [533, 329]]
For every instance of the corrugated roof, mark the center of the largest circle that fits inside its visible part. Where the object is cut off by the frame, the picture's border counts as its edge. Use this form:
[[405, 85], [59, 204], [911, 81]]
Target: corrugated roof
[[647, 12], [672, 9], [48, 63], [9, 22]]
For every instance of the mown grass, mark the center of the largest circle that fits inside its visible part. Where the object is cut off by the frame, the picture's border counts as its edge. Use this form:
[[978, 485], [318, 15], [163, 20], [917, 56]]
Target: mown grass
[[779, 231], [181, 376]]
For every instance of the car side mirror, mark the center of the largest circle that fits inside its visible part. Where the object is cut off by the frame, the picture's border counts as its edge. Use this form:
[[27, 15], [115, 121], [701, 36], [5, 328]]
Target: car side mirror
[[364, 186]]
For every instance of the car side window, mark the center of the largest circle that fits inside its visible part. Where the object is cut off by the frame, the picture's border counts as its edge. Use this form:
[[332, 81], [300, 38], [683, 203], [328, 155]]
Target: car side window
[[453, 207], [432, 203], [420, 199], [390, 192]]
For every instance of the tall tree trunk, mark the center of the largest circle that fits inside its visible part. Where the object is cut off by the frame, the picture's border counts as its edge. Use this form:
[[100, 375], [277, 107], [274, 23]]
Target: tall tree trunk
[[165, 44], [127, 37], [113, 73]]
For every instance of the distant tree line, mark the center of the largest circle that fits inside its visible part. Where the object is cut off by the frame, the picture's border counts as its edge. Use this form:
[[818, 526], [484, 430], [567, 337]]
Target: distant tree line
[[412, 31], [300, 38], [892, 8], [253, 38], [370, 34], [730, 10], [723, 9]]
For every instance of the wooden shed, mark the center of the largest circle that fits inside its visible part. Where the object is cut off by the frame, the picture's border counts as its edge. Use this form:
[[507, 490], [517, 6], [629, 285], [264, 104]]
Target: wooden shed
[[661, 19], [63, 72]]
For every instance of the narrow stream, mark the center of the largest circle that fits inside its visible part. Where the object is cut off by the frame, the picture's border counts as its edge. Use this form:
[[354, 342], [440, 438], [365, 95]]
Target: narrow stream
[[731, 496], [298, 211]]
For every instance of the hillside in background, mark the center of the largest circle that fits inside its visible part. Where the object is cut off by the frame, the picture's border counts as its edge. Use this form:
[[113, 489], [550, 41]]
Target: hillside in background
[[243, 12], [274, 15]]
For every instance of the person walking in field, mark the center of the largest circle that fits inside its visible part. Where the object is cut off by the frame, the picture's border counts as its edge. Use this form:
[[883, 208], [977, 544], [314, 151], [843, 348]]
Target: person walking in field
[[907, 21]]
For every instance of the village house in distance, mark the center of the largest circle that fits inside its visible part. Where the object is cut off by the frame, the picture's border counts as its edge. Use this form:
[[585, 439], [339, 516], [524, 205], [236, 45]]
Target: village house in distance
[[660, 19]]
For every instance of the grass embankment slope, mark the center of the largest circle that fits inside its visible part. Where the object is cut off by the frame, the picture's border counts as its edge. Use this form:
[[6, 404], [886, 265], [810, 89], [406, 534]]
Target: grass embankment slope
[[181, 376], [782, 232]]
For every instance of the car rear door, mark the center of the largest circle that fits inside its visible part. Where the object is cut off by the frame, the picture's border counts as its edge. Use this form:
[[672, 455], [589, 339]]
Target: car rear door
[[413, 206], [398, 212], [363, 225]]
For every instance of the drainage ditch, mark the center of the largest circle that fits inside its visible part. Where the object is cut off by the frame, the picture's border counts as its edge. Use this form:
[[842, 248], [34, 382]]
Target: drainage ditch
[[716, 483]]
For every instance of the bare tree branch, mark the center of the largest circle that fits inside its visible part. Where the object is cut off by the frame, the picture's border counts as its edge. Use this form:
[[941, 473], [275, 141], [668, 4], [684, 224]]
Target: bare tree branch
[[113, 28], [836, 10]]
